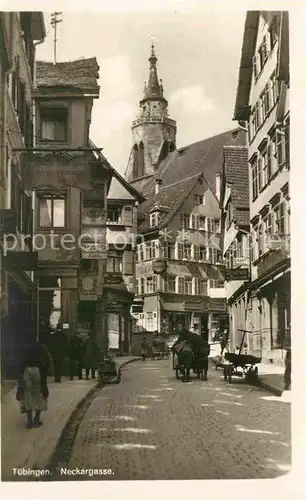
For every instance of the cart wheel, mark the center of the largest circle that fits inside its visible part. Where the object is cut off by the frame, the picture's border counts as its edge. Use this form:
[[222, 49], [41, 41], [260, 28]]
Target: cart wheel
[[177, 373]]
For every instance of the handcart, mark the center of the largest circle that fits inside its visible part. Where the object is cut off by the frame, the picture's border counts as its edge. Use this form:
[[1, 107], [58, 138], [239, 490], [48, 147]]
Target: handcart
[[108, 372], [246, 362]]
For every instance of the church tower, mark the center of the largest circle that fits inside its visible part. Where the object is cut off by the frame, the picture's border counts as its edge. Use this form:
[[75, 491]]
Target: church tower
[[153, 131]]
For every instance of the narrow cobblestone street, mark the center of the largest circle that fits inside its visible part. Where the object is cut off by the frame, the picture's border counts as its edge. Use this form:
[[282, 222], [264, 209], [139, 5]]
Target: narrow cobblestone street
[[152, 426]]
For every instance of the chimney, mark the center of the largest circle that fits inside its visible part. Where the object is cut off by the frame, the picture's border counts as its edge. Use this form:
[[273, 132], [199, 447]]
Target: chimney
[[157, 185], [218, 186]]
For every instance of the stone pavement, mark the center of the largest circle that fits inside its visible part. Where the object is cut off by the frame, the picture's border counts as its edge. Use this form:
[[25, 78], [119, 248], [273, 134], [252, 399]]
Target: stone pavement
[[21, 447], [152, 426], [271, 377]]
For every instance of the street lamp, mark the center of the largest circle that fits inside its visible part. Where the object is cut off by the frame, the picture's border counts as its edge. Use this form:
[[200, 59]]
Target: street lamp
[[159, 267]]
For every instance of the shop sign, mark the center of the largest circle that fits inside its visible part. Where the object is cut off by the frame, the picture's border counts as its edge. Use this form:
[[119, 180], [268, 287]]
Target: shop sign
[[237, 274], [94, 251]]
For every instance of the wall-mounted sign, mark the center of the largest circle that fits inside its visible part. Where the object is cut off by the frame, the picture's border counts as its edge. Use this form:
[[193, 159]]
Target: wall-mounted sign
[[237, 274], [94, 251]]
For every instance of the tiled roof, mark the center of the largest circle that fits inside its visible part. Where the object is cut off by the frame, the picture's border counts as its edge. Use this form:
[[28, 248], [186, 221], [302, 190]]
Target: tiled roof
[[82, 74], [171, 196], [236, 171], [201, 157]]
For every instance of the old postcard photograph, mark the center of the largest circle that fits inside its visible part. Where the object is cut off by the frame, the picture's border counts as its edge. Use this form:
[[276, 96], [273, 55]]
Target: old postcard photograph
[[145, 257]]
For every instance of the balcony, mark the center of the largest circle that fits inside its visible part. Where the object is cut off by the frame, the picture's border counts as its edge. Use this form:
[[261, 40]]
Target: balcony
[[278, 253]]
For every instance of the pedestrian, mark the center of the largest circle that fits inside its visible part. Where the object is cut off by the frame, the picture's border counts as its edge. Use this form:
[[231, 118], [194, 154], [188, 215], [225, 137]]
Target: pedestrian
[[76, 356], [32, 390], [144, 349], [287, 375], [91, 358], [59, 348], [223, 343]]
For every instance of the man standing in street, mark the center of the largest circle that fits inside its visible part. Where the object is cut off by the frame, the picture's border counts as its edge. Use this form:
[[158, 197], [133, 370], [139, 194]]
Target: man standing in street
[[76, 356]]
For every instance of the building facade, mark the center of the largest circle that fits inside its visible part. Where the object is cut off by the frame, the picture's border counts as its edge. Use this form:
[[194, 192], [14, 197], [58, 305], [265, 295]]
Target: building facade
[[262, 103], [235, 236], [20, 32], [179, 271]]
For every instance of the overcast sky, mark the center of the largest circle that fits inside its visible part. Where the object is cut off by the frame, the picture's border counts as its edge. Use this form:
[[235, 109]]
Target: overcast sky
[[198, 60]]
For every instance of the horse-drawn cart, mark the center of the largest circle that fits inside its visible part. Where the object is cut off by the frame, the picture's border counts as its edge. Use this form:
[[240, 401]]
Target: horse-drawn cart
[[246, 362]]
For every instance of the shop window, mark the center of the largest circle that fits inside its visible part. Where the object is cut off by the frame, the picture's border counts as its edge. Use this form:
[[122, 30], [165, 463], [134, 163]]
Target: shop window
[[54, 124], [52, 211]]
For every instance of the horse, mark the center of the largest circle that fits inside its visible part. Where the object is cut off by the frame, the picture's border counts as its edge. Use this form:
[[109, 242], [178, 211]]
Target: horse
[[186, 358], [201, 366]]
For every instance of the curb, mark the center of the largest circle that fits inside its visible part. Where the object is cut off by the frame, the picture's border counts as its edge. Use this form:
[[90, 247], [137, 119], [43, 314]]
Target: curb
[[81, 407]]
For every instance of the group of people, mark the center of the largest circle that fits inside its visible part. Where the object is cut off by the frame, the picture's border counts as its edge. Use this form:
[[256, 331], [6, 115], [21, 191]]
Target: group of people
[[42, 359], [80, 353]]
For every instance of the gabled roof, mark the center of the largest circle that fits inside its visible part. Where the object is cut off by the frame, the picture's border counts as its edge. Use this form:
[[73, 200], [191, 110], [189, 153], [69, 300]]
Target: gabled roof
[[205, 157], [81, 74], [131, 189], [171, 196], [236, 172]]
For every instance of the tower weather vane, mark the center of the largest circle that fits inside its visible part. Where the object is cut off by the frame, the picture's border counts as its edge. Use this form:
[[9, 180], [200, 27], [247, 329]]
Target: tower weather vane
[[55, 20]]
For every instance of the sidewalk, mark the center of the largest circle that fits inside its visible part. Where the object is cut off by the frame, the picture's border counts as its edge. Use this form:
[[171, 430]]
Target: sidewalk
[[271, 377], [23, 448]]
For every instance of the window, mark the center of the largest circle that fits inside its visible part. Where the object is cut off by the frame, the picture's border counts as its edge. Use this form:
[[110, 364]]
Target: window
[[263, 52], [274, 89], [287, 144], [256, 117], [151, 284], [184, 221], [256, 67], [142, 286], [273, 33], [179, 251], [114, 215], [279, 219], [187, 252], [154, 219], [203, 253], [141, 252], [266, 164], [180, 285], [150, 321], [255, 183], [203, 287], [196, 286], [114, 263], [188, 286], [280, 148], [150, 250], [196, 252], [265, 101], [199, 199], [54, 124], [169, 251], [213, 255], [194, 221], [169, 283], [212, 225], [202, 222], [52, 211], [260, 238]]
